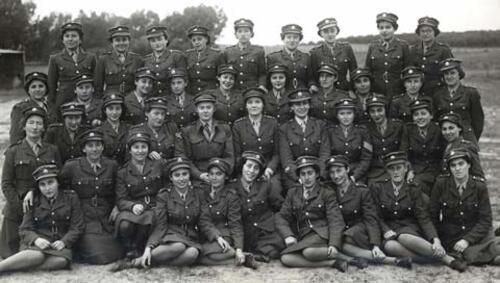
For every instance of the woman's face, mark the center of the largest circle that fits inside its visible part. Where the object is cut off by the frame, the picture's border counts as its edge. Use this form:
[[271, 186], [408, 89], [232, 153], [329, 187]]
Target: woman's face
[[143, 85], [120, 43], [413, 85], [114, 112], [37, 90], [181, 178], [397, 172], [459, 168], [84, 91], [291, 41], [34, 127], [362, 85], [301, 108], [156, 117], [426, 34], [450, 131], [339, 174], [329, 34], [250, 171], [243, 35], [377, 114], [217, 177], [422, 117], [326, 80], [226, 81], [178, 85], [205, 111], [255, 106], [49, 187], [451, 77], [139, 151], [386, 30], [71, 39], [278, 81], [93, 150], [199, 42], [308, 176], [72, 122], [158, 43], [345, 116]]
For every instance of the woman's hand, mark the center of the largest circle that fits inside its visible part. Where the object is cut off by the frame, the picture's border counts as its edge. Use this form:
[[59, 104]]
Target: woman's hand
[[268, 173], [438, 249], [313, 89], [239, 257], [224, 245], [114, 213], [332, 251], [378, 254], [154, 155], [389, 235], [27, 201], [138, 209], [204, 177], [96, 123], [58, 245], [42, 243], [461, 245], [410, 176], [146, 257], [290, 241]]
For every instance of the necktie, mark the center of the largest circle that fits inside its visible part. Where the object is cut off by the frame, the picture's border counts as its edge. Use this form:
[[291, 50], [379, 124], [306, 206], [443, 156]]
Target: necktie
[[51, 201], [385, 44], [278, 95], [291, 55], [256, 126], [306, 194], [346, 132], [74, 56], [94, 166], [183, 197], [302, 125], [381, 129], [212, 194], [36, 148], [396, 191], [121, 57], [207, 132], [180, 99], [452, 93], [423, 133], [460, 190]]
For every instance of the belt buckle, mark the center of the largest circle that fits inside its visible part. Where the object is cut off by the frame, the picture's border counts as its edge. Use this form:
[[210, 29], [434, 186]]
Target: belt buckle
[[94, 201], [385, 76], [147, 199]]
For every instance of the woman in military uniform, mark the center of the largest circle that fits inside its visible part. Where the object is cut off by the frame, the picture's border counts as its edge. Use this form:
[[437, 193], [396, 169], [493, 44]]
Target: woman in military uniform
[[180, 105], [362, 81], [249, 60], [297, 62], [387, 57], [21, 159], [113, 128], [428, 53], [278, 82], [163, 133], [413, 79], [93, 177], [206, 138], [461, 99], [36, 87], [310, 221], [137, 184], [229, 105], [84, 89], [323, 102], [162, 60], [66, 66], [361, 234], [50, 228], [65, 136], [406, 226], [424, 144], [460, 208], [135, 99], [452, 131], [349, 139], [386, 135], [259, 203], [116, 68], [202, 61], [333, 52]]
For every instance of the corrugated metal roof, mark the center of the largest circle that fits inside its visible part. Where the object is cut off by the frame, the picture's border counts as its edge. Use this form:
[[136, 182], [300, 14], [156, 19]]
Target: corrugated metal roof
[[9, 51]]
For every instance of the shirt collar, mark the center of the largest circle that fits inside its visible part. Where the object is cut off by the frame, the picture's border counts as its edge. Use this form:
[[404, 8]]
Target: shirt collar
[[463, 184], [258, 120], [32, 144], [300, 120]]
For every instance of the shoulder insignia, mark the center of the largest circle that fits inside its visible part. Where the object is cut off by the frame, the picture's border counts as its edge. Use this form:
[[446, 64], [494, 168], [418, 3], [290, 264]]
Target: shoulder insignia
[[215, 49], [444, 175], [239, 120], [478, 178], [55, 125], [361, 185], [69, 192], [190, 50]]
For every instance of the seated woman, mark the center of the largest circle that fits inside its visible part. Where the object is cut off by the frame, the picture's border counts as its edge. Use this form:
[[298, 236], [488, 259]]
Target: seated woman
[[84, 89], [181, 109], [362, 232], [278, 83], [460, 208], [136, 99], [323, 103], [310, 221], [229, 101], [92, 177], [406, 226], [220, 220], [259, 202], [413, 78], [361, 81], [49, 229]]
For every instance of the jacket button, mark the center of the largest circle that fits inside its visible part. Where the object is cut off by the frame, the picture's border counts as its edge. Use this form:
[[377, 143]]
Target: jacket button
[[340, 206], [395, 213], [255, 224], [463, 227]]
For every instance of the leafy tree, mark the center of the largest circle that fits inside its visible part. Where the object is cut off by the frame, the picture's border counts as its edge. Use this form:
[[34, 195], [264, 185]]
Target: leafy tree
[[14, 22]]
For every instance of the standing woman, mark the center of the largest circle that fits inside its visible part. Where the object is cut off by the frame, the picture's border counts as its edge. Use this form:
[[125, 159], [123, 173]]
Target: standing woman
[[428, 53], [180, 104], [323, 102], [350, 140], [135, 99], [202, 61], [229, 105], [92, 177], [162, 60], [413, 79], [387, 57], [278, 81], [461, 210], [259, 203], [333, 52], [458, 98], [50, 228], [85, 95], [36, 87], [116, 68], [406, 226], [297, 62], [249, 59], [114, 129], [67, 65], [21, 159], [310, 221], [137, 184], [362, 81]]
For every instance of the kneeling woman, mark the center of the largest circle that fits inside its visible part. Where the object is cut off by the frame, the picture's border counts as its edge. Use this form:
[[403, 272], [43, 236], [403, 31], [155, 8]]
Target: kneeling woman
[[463, 202], [404, 218], [310, 221], [47, 238]]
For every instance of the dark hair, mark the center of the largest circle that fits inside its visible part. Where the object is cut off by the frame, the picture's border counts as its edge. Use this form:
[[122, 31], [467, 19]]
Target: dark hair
[[242, 164], [122, 116]]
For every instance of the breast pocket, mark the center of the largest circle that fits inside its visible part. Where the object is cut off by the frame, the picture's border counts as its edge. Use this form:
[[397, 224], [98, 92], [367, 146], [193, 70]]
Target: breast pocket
[[24, 168]]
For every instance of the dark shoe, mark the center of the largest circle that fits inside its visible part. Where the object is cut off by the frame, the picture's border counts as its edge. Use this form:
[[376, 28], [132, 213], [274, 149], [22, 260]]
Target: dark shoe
[[250, 261], [404, 262], [121, 265], [497, 232], [261, 258], [341, 265], [360, 263], [459, 265]]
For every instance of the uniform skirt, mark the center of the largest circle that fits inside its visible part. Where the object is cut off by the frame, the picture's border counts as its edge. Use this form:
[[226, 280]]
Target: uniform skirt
[[146, 218], [311, 240], [213, 247], [264, 242], [98, 249], [481, 253], [359, 236], [65, 253], [410, 228], [177, 238]]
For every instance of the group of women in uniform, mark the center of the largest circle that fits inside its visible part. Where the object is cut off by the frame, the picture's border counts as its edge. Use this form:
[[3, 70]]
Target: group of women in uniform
[[221, 157]]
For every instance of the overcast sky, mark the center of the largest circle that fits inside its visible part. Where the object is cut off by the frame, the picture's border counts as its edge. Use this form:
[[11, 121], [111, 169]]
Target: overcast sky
[[355, 17]]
